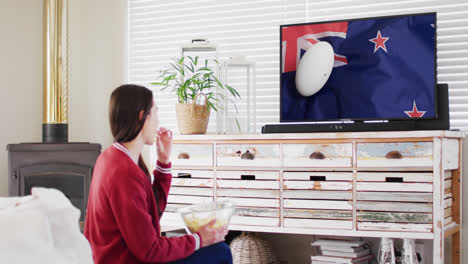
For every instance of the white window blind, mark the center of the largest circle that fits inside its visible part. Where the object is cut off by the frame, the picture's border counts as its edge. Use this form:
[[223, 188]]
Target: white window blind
[[158, 29]]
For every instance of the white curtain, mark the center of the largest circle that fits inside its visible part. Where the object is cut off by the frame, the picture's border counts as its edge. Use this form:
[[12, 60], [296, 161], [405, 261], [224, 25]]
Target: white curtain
[[158, 29]]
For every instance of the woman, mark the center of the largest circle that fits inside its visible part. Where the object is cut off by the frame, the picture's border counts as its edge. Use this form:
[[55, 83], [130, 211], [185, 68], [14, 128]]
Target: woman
[[122, 219]]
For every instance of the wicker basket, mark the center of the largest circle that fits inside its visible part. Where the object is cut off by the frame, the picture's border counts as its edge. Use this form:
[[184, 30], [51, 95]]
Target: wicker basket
[[193, 118], [248, 248]]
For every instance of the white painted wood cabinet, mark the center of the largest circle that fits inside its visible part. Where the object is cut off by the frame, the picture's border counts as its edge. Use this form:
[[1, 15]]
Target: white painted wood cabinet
[[402, 184]]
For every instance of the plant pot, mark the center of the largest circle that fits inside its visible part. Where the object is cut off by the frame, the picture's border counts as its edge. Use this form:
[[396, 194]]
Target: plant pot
[[193, 118]]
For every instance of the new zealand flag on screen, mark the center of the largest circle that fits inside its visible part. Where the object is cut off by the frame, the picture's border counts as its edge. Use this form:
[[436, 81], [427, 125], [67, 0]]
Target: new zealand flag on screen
[[383, 68]]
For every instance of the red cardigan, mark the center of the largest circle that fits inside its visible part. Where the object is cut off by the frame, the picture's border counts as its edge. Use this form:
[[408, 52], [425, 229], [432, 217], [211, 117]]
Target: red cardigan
[[122, 223]]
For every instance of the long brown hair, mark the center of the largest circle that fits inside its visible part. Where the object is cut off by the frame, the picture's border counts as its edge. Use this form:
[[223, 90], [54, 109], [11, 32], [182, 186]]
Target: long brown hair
[[126, 103]]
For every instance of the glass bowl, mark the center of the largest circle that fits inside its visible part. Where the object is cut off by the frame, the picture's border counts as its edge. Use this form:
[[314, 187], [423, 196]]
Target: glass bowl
[[198, 215]]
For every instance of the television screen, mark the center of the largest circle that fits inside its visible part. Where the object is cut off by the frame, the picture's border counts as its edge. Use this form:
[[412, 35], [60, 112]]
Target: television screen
[[381, 69]]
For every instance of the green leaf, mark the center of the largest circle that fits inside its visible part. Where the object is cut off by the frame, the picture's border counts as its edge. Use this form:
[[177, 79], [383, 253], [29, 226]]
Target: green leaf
[[238, 125], [211, 105], [234, 104], [205, 69]]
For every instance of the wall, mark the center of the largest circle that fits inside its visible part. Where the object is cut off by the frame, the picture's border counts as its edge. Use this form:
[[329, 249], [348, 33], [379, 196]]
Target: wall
[[21, 75], [96, 64]]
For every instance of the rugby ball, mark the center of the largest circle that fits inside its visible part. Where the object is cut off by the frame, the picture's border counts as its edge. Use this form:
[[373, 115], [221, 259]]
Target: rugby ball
[[314, 68]]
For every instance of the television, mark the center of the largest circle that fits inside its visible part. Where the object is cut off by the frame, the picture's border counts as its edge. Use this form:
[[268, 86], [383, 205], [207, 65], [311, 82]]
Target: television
[[383, 71]]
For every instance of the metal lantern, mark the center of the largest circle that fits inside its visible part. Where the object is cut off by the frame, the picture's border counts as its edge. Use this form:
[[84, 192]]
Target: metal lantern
[[238, 115], [197, 46]]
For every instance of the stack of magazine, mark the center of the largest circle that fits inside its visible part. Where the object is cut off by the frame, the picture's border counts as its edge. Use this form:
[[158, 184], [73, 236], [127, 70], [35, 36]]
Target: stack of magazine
[[342, 251]]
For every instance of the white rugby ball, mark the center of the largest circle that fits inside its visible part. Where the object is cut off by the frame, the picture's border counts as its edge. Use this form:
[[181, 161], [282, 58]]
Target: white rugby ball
[[314, 68]]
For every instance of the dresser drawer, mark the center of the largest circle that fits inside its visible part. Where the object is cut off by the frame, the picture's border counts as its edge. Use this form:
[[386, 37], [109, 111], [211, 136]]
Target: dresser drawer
[[192, 155], [192, 178], [395, 156], [190, 187], [318, 200], [394, 182], [318, 181], [256, 195], [187, 187], [248, 155], [318, 155], [394, 201]]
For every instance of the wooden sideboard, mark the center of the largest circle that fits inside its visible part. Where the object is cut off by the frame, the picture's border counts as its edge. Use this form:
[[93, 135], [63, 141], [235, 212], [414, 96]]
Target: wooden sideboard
[[404, 184]]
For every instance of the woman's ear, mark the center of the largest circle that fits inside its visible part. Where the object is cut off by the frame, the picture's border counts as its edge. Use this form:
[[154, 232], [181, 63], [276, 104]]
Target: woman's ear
[[140, 115]]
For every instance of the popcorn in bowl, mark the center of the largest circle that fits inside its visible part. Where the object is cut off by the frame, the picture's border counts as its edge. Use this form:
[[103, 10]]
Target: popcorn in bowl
[[198, 215]]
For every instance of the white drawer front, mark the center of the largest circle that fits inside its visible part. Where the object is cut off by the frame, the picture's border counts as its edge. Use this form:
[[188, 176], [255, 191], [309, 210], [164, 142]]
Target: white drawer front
[[190, 187], [318, 155], [318, 199], [395, 156], [188, 199], [251, 202], [318, 185], [239, 184], [192, 155], [248, 155], [248, 175], [318, 195], [394, 207], [254, 221], [318, 223], [318, 214], [192, 174], [394, 187], [191, 190], [192, 182], [321, 176], [248, 193], [395, 196], [405, 227], [392, 177], [245, 180], [255, 194], [318, 204], [192, 178], [396, 201]]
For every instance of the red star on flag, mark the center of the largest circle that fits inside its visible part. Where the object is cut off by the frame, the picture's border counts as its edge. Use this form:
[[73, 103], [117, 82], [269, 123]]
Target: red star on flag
[[415, 112], [379, 42]]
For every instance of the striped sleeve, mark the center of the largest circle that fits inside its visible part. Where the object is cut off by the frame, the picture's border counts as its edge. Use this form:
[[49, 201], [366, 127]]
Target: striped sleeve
[[196, 236], [163, 168], [162, 181]]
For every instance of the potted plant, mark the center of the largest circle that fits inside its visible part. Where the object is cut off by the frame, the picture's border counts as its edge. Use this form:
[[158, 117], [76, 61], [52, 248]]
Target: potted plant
[[189, 79]]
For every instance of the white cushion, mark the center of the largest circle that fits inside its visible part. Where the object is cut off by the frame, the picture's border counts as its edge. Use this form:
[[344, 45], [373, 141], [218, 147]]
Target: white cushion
[[41, 228]]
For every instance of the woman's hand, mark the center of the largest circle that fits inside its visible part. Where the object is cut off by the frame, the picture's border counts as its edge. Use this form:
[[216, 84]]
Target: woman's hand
[[210, 235], [164, 145]]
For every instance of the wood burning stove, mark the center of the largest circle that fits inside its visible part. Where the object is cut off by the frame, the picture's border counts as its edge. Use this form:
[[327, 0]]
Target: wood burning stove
[[66, 167]]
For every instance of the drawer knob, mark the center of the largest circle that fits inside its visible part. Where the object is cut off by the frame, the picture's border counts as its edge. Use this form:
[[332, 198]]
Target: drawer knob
[[183, 155], [317, 155], [394, 155], [248, 155]]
